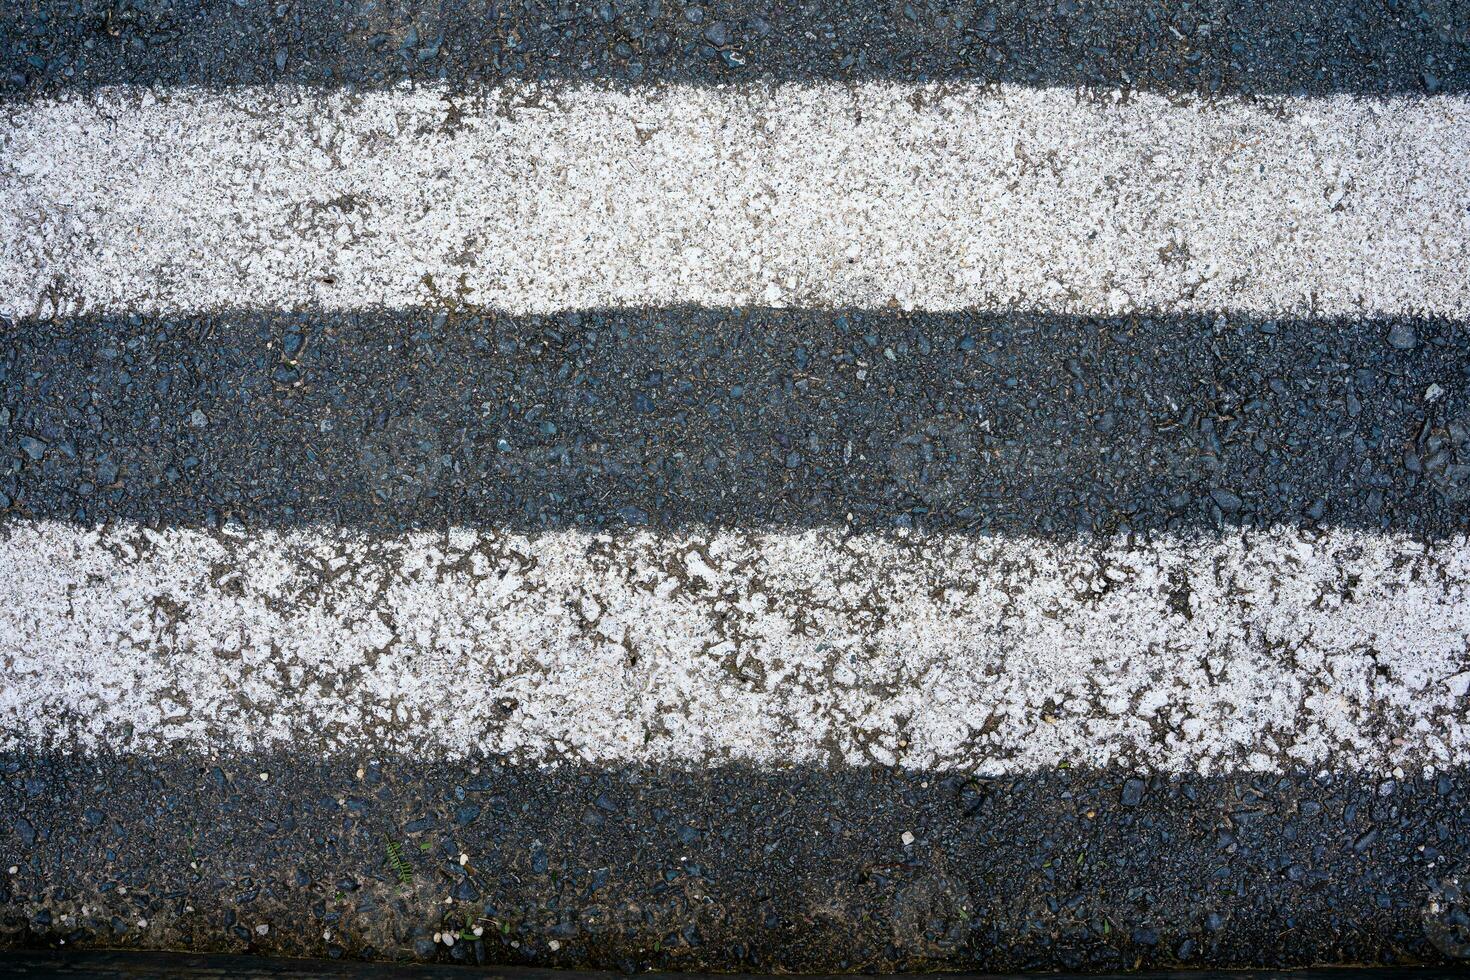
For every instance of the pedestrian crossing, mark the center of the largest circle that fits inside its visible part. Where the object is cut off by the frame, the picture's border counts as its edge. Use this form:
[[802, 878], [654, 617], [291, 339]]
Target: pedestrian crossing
[[988, 653], [820, 488]]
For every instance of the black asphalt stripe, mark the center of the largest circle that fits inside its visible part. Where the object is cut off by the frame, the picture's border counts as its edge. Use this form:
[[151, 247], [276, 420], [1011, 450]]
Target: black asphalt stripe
[[1221, 46], [1017, 423], [731, 868], [111, 964]]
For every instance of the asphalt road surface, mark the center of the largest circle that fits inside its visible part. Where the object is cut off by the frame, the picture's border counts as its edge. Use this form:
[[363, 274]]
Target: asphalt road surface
[[757, 486]]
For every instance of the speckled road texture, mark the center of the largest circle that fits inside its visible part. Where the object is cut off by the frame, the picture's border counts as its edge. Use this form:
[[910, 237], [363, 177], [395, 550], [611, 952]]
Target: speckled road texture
[[737, 487], [539, 198], [1258, 652]]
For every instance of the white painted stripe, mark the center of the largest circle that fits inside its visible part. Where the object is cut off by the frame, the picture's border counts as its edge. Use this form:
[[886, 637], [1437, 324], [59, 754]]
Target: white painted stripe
[[1257, 651], [537, 199]]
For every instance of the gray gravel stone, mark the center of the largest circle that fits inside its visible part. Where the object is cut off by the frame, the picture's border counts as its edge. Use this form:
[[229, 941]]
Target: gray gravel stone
[[1401, 336]]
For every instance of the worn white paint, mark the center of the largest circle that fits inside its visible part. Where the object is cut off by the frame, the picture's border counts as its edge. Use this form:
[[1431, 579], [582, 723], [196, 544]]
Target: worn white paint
[[539, 198], [1254, 651]]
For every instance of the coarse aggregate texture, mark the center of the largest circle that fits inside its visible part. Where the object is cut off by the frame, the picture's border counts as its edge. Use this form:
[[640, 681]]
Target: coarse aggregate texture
[[796, 870], [1255, 49], [1042, 426], [777, 487], [540, 198]]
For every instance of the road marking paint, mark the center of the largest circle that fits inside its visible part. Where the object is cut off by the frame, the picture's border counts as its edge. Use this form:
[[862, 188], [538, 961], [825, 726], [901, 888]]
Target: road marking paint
[[1255, 651], [533, 199]]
